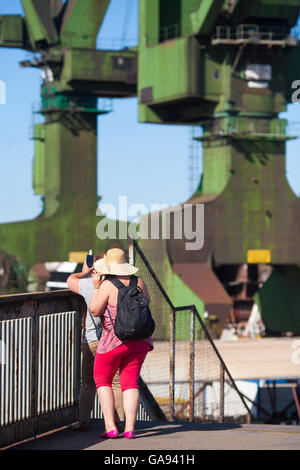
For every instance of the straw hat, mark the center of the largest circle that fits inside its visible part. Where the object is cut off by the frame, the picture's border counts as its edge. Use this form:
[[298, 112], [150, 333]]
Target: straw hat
[[114, 263]]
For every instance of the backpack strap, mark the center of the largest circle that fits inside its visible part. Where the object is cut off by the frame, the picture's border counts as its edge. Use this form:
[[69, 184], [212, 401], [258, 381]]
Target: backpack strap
[[117, 283], [133, 281]]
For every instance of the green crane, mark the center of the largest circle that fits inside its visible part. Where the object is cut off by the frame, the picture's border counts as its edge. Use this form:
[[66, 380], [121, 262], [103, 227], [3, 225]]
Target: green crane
[[75, 74], [229, 67]]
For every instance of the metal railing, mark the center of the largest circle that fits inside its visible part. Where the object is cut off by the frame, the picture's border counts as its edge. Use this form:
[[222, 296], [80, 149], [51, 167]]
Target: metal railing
[[40, 363], [185, 372], [40, 336], [170, 31], [254, 33], [244, 127], [64, 104], [116, 44]]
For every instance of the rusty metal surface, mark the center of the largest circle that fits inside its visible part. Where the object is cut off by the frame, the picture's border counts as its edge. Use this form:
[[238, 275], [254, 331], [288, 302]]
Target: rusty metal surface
[[295, 396], [172, 365], [222, 401], [192, 369]]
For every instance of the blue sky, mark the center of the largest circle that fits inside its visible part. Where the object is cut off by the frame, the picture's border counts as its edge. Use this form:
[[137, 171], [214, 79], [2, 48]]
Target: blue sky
[[150, 162]]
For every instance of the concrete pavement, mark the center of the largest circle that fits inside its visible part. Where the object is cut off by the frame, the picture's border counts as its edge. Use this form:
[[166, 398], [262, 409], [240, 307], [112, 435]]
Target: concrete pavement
[[174, 436]]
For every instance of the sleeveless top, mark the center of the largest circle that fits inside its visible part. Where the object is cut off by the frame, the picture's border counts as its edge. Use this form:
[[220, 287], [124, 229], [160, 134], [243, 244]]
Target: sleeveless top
[[108, 340]]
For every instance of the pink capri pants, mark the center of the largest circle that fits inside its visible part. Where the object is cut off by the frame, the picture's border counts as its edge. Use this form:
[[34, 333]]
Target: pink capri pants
[[129, 357]]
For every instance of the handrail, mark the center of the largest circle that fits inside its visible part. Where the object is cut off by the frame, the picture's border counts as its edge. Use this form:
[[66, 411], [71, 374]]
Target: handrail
[[136, 246], [195, 314], [248, 31]]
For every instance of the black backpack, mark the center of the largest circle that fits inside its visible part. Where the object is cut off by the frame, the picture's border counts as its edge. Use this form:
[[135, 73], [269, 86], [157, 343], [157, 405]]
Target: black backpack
[[133, 320]]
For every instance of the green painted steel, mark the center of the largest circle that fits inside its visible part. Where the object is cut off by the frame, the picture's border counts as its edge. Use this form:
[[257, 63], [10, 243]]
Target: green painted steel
[[177, 290], [279, 301], [287, 10], [228, 67], [162, 63], [75, 74], [207, 77], [39, 169], [40, 25], [11, 31], [204, 17], [81, 22], [111, 73]]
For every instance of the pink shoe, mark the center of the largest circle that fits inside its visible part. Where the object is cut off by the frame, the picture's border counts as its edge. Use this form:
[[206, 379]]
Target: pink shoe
[[110, 434], [129, 434]]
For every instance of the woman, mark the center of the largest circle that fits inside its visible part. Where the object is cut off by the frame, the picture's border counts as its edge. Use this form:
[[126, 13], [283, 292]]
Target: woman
[[81, 283], [113, 354]]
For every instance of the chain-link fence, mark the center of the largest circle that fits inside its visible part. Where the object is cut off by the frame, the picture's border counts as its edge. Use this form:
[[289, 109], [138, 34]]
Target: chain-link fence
[[185, 371]]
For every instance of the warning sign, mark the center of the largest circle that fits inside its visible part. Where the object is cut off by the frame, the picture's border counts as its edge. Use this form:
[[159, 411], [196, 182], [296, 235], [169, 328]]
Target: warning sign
[[259, 256]]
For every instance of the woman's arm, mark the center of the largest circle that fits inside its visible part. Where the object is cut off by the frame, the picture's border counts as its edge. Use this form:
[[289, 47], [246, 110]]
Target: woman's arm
[[100, 296], [73, 279]]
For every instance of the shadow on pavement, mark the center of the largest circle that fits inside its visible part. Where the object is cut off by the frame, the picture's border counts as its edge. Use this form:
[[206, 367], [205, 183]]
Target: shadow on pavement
[[68, 439], [174, 427]]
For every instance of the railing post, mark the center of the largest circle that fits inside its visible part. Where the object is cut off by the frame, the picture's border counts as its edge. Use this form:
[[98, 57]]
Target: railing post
[[35, 368], [295, 396], [222, 382], [172, 366], [192, 368], [77, 350], [131, 252]]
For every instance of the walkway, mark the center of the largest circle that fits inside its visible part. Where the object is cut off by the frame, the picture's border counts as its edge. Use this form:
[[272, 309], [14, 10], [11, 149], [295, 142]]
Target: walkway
[[175, 436]]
